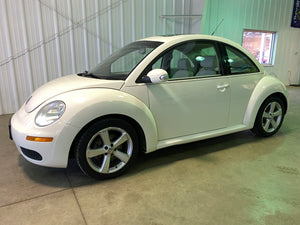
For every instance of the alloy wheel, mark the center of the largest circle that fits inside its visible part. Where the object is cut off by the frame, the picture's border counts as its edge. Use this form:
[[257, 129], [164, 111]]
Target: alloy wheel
[[271, 117], [109, 150]]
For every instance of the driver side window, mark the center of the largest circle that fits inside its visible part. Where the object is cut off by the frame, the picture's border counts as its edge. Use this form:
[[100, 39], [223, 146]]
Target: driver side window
[[190, 60]]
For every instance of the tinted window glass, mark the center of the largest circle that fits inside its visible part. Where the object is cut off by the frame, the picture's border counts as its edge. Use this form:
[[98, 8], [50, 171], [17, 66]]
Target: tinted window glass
[[191, 59], [238, 62]]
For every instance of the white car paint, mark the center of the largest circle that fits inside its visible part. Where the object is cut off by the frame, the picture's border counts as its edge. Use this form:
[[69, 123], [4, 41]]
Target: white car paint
[[266, 86], [168, 113], [170, 102], [64, 131], [66, 84]]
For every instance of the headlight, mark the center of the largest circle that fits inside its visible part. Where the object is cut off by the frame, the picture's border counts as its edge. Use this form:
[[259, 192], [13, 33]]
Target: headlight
[[50, 113]]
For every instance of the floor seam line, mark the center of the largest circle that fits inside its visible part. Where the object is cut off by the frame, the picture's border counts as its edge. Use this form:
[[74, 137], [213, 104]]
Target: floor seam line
[[36, 197], [76, 199]]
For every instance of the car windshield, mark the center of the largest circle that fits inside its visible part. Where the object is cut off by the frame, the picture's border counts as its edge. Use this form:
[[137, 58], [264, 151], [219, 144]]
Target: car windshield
[[119, 65]]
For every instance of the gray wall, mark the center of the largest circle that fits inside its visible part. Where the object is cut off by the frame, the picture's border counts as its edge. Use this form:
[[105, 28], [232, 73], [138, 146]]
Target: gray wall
[[41, 40]]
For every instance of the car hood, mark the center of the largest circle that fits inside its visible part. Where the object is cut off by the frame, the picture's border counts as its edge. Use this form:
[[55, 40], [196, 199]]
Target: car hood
[[66, 84]]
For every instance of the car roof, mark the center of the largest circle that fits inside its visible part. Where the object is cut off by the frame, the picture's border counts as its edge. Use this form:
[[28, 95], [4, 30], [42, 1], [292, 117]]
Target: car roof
[[186, 37]]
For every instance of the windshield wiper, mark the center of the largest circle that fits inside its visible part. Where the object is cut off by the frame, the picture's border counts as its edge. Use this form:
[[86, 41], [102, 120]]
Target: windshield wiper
[[83, 74], [87, 74]]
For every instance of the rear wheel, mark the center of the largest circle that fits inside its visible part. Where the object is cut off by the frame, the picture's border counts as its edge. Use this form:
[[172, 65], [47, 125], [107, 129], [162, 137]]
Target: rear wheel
[[270, 117], [107, 148]]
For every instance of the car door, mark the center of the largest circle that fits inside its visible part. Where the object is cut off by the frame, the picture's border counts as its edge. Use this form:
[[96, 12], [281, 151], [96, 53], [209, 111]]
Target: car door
[[196, 98], [244, 76]]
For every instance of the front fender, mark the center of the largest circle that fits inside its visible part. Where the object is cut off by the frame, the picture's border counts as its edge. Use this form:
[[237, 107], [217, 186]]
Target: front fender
[[267, 86], [85, 105]]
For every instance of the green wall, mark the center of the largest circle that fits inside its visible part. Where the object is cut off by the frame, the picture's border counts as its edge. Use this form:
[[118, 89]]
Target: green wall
[[270, 15]]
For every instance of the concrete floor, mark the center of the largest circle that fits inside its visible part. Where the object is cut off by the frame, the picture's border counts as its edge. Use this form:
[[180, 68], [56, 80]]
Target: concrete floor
[[235, 179]]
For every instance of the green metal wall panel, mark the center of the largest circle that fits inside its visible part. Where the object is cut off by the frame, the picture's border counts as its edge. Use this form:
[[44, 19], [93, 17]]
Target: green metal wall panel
[[269, 15]]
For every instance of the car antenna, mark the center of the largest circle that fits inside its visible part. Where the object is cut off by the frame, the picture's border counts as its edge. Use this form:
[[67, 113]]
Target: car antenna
[[217, 27]]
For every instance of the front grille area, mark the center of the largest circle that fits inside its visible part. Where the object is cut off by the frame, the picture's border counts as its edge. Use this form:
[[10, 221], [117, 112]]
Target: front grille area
[[31, 154]]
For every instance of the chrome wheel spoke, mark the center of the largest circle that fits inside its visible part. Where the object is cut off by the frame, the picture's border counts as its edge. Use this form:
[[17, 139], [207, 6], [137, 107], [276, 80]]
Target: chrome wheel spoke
[[278, 112], [121, 156], [122, 139], [272, 108], [105, 164], [266, 115], [90, 153], [274, 124], [267, 125], [105, 137]]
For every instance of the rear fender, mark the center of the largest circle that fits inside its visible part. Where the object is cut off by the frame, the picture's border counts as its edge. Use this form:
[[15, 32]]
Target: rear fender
[[267, 86]]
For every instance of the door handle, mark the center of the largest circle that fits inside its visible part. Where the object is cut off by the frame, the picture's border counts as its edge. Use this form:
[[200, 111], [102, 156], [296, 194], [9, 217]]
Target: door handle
[[222, 87]]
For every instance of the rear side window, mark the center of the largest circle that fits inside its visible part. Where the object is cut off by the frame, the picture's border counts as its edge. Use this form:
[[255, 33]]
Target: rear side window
[[238, 63]]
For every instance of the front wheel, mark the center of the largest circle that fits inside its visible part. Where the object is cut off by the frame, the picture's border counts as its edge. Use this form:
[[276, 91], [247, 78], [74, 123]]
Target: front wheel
[[107, 148], [269, 117]]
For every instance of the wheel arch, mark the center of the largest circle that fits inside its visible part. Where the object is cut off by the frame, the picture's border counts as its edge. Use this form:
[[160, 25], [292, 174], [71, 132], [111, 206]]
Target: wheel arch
[[134, 123], [267, 87], [282, 98], [85, 106]]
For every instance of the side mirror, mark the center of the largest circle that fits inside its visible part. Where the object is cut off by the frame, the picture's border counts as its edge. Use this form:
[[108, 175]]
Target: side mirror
[[158, 76]]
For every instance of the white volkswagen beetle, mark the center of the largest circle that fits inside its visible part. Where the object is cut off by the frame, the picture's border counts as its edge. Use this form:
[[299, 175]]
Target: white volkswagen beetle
[[151, 94]]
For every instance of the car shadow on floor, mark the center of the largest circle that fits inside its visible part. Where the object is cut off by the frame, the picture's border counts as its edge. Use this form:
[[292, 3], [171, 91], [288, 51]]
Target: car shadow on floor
[[73, 177], [199, 150]]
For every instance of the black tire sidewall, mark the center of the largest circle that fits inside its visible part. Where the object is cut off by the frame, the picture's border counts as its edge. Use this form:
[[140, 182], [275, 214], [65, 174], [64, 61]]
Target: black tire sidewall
[[80, 150], [258, 129]]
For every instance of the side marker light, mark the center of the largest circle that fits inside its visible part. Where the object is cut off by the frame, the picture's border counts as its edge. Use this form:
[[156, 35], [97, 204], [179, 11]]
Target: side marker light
[[39, 139]]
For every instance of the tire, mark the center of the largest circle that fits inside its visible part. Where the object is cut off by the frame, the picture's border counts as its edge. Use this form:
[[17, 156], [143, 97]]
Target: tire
[[107, 149], [269, 117]]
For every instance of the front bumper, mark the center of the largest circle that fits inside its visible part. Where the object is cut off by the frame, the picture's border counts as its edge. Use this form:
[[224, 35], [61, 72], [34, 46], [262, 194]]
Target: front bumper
[[52, 154]]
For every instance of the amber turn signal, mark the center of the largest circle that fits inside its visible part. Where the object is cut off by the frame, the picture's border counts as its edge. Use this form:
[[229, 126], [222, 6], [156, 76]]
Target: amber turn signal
[[39, 139]]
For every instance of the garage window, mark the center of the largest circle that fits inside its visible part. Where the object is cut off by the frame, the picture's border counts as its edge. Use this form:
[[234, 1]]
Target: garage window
[[261, 45]]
